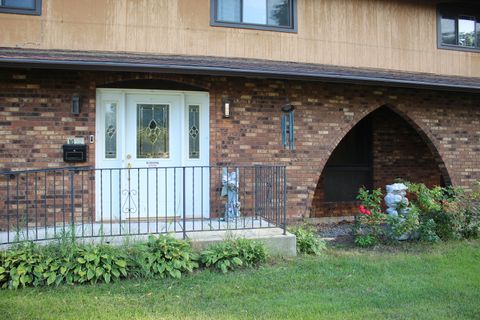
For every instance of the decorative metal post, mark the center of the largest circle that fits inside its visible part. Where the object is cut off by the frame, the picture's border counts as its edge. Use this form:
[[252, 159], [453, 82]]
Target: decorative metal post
[[184, 207], [72, 201], [284, 200]]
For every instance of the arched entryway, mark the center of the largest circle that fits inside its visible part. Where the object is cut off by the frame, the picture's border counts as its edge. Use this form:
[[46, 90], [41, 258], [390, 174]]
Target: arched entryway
[[380, 148]]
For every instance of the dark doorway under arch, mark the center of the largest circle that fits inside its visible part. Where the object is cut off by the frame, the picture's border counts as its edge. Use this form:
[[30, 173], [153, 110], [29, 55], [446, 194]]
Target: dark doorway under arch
[[379, 149]]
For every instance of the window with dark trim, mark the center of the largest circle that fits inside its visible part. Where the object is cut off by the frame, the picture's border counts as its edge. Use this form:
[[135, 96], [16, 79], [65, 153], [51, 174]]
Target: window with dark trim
[[33, 7], [459, 26], [274, 15]]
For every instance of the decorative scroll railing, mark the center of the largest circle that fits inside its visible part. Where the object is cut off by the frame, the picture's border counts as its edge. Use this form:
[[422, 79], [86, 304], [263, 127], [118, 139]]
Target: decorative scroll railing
[[37, 205]]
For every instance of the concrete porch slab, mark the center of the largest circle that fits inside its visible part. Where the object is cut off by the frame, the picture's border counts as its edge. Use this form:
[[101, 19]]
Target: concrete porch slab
[[277, 243], [130, 232]]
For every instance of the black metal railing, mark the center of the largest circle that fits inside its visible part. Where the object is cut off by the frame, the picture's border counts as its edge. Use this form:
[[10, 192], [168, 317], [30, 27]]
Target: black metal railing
[[86, 202]]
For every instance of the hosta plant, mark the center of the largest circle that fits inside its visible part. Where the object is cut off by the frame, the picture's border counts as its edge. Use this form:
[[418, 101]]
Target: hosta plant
[[308, 241], [97, 263], [164, 256], [232, 254]]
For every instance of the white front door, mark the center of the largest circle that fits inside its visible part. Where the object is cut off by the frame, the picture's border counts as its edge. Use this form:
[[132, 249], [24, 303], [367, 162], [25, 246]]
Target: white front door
[[150, 146]]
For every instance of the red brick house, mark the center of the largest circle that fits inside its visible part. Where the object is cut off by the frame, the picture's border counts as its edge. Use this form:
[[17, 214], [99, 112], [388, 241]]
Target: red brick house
[[380, 90]]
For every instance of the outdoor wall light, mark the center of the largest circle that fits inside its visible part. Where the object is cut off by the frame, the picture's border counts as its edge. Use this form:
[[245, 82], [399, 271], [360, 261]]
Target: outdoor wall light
[[76, 103], [226, 108]]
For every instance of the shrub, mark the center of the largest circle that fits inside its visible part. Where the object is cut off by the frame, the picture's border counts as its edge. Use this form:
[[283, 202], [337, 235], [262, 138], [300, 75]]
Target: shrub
[[454, 212], [163, 256], [232, 254], [434, 214], [368, 225], [307, 240], [465, 211], [427, 233], [404, 226]]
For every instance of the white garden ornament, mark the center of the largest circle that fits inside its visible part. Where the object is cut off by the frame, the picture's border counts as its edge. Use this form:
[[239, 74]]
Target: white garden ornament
[[396, 199], [397, 204]]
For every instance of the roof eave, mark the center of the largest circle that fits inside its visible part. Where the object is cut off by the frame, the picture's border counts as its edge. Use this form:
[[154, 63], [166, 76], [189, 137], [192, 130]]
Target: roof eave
[[229, 71]]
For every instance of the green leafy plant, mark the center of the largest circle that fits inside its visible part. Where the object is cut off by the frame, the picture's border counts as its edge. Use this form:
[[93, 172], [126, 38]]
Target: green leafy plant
[[31, 265], [308, 241], [465, 212], [454, 212], [426, 231], [252, 253], [223, 256], [434, 214], [232, 254], [365, 240], [369, 222], [66, 262], [404, 224], [95, 263], [163, 256], [17, 268]]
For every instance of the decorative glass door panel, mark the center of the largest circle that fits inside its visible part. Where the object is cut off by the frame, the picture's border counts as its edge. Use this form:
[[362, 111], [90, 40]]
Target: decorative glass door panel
[[193, 132], [152, 131], [111, 130]]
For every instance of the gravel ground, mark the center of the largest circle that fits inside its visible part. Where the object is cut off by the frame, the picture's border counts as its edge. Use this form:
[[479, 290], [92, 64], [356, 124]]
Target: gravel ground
[[333, 230], [336, 233]]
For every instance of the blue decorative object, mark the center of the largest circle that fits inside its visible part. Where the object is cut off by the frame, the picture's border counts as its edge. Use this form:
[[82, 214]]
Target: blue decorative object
[[287, 127], [230, 190]]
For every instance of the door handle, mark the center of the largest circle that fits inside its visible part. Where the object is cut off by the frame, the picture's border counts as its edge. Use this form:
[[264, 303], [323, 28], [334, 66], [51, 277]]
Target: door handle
[[129, 165]]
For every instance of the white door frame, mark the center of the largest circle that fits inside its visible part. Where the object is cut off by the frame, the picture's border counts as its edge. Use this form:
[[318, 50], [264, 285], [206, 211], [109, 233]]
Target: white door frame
[[121, 98]]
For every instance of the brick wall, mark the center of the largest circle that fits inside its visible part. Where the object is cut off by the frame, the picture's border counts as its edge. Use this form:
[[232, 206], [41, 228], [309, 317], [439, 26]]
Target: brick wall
[[399, 152], [35, 120]]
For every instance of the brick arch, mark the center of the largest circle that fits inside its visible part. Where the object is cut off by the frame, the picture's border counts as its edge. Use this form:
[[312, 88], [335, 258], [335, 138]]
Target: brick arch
[[402, 111]]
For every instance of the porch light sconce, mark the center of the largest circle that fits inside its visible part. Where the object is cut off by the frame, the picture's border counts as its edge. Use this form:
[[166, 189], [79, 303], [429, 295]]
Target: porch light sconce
[[76, 103], [226, 104]]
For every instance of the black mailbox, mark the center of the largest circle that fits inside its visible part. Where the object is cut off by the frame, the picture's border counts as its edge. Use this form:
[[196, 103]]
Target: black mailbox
[[74, 153]]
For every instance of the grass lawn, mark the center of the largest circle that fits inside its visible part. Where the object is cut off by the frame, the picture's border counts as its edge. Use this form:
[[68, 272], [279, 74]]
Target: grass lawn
[[414, 282]]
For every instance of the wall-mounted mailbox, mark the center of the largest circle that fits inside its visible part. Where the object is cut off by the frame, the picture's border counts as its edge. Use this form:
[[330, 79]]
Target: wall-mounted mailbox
[[74, 153]]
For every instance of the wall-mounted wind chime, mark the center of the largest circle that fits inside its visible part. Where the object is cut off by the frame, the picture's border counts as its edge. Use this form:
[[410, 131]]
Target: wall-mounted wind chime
[[288, 112]]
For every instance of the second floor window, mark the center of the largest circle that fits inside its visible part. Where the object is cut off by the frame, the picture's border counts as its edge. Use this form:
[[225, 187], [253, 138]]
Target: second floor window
[[459, 27], [254, 14], [21, 6]]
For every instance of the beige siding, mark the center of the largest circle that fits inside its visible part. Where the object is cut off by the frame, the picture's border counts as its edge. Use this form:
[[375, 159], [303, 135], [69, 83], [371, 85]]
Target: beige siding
[[384, 34]]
